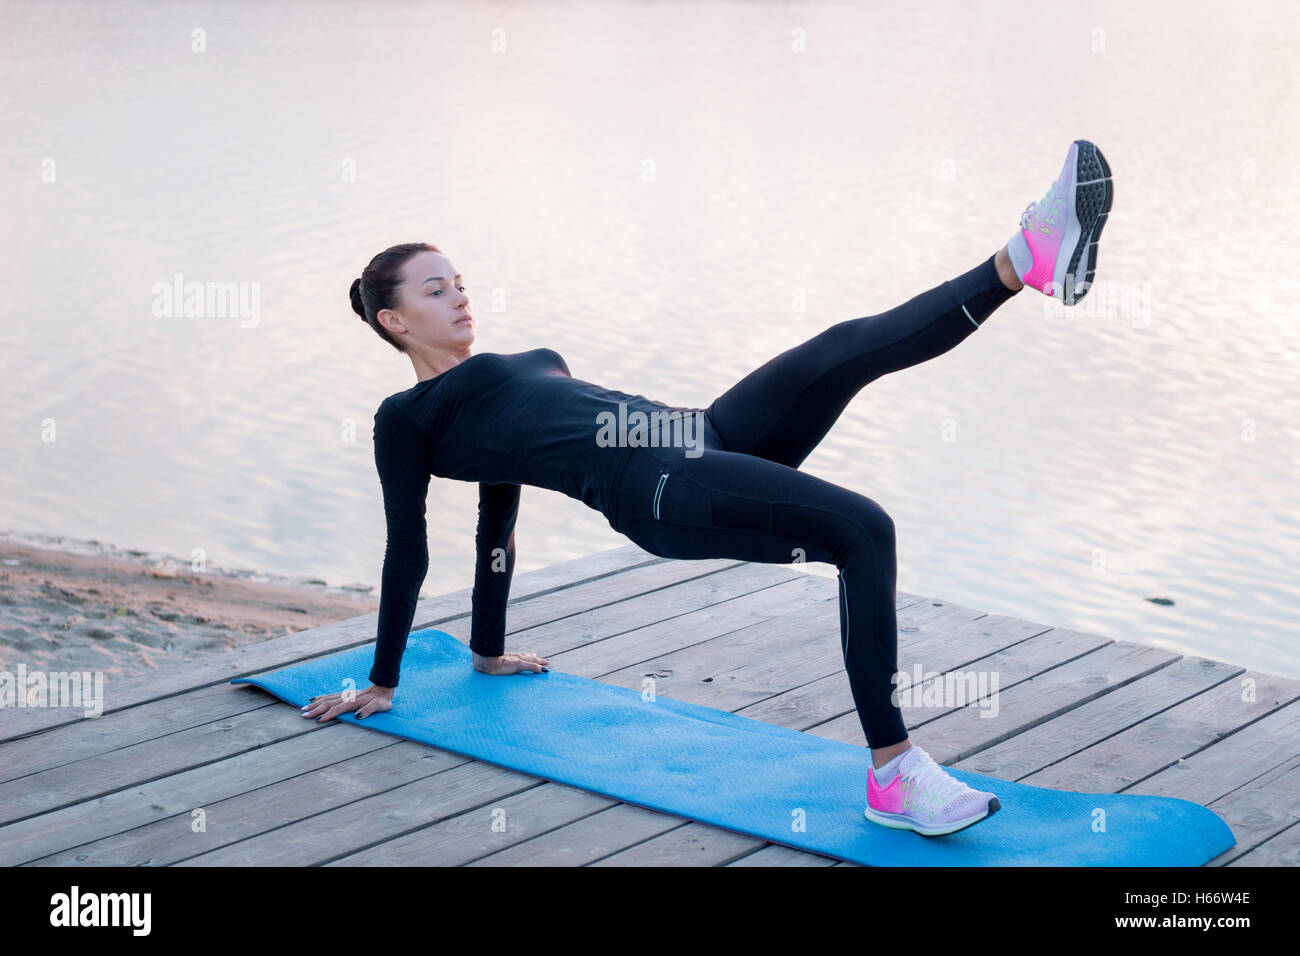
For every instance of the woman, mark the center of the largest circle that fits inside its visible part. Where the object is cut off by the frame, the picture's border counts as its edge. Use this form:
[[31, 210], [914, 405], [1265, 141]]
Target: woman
[[733, 490]]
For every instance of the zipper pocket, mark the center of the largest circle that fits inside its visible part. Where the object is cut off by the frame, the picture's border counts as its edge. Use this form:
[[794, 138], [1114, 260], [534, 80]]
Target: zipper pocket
[[663, 477]]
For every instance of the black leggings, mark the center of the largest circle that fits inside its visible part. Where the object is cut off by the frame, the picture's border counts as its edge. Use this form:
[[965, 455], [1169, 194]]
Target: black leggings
[[743, 497]]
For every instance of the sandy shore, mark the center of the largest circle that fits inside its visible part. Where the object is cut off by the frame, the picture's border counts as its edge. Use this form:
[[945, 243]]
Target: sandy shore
[[72, 604]]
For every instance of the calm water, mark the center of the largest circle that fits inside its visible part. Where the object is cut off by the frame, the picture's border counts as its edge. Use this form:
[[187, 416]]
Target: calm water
[[669, 194]]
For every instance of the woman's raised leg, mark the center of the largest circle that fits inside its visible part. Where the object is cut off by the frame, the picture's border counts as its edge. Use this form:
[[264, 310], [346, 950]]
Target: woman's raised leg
[[783, 409]]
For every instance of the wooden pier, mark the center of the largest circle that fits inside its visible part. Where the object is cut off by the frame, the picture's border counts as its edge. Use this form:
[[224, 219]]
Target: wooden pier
[[1076, 712]]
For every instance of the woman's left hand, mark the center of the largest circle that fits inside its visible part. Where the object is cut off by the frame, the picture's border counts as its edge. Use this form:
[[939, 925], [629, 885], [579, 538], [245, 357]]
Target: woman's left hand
[[372, 700]]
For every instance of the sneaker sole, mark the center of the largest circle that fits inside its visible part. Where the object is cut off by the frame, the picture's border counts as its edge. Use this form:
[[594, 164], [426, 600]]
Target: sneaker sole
[[1093, 193], [900, 822]]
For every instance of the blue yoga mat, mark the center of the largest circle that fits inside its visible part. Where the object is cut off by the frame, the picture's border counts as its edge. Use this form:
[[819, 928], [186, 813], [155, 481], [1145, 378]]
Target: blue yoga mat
[[716, 767]]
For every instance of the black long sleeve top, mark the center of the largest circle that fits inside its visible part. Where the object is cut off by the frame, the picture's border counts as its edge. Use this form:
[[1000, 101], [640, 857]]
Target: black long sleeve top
[[502, 421]]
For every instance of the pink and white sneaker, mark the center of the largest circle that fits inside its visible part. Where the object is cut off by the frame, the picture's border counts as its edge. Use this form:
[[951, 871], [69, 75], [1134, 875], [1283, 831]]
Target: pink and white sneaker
[[925, 798], [1055, 250]]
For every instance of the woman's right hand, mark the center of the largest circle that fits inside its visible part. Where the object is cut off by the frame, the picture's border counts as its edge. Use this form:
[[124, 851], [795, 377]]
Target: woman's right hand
[[510, 663], [372, 700]]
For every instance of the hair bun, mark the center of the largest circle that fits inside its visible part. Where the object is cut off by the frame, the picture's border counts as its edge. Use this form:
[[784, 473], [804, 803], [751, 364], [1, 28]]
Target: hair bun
[[358, 306]]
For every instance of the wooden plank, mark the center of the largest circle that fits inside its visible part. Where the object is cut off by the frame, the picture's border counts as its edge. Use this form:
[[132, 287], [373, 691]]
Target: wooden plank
[[1217, 770], [315, 642], [454, 840], [1116, 763], [694, 844], [473, 788], [181, 678], [641, 643], [776, 855], [326, 770], [1081, 725], [168, 796], [588, 596], [1012, 649], [586, 839], [955, 737], [736, 669], [1020, 648], [149, 760], [1281, 850], [72, 742], [700, 673], [592, 633], [1260, 809], [828, 698]]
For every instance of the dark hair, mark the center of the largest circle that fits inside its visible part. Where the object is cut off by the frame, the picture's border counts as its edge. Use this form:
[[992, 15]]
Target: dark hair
[[376, 290]]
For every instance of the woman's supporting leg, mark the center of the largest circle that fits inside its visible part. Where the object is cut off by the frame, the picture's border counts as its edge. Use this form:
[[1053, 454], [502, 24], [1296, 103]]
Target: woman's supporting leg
[[728, 505], [783, 409]]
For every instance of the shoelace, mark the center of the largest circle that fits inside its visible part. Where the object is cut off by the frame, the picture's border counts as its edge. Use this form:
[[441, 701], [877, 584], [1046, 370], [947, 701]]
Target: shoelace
[[1031, 211], [1027, 215], [931, 785]]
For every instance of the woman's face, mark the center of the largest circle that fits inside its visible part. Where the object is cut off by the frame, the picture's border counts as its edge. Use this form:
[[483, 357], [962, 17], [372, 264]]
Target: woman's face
[[433, 308]]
